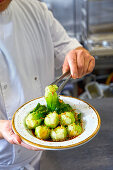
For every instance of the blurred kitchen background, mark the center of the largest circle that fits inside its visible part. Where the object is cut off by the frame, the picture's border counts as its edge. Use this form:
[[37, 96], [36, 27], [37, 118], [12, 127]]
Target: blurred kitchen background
[[91, 22]]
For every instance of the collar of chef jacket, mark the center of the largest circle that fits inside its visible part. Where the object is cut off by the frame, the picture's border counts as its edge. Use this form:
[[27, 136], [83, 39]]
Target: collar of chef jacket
[[30, 37]]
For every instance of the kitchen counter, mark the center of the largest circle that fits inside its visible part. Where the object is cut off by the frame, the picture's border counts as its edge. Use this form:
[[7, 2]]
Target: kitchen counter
[[97, 154]]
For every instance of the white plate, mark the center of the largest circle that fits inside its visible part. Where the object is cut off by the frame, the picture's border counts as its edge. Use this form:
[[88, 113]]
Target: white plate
[[90, 117]]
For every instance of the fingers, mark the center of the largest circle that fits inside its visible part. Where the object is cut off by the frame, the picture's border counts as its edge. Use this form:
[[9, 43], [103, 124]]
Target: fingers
[[79, 62], [73, 66], [65, 66], [30, 147], [91, 65], [70, 63], [15, 139], [12, 138], [8, 133]]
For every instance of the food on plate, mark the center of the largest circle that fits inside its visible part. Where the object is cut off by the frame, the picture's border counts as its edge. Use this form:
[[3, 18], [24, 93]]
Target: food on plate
[[32, 121], [74, 130], [59, 133], [57, 121], [51, 120], [67, 118], [51, 97], [42, 132]]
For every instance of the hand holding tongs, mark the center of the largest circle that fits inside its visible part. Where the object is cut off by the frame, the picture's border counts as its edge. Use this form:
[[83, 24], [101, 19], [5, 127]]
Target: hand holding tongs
[[60, 88]]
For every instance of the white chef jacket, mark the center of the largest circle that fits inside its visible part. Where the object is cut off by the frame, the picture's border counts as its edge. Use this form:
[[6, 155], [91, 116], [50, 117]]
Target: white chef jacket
[[32, 44]]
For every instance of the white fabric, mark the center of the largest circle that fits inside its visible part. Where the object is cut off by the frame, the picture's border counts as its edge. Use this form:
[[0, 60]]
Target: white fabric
[[30, 37]]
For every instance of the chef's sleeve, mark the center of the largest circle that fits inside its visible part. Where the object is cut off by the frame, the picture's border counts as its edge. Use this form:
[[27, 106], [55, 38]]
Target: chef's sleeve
[[61, 41]]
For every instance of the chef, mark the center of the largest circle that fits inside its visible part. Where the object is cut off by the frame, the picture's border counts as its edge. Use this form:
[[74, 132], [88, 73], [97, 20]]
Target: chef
[[32, 45]]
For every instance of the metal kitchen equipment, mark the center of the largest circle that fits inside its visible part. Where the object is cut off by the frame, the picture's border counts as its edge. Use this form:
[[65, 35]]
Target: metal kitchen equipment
[[66, 75], [97, 30]]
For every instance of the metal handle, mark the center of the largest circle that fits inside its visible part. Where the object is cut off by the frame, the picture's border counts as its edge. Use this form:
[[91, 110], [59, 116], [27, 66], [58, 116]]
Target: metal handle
[[61, 77], [63, 84]]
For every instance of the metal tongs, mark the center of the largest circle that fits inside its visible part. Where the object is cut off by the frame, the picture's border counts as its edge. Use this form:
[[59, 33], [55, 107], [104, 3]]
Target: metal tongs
[[60, 88]]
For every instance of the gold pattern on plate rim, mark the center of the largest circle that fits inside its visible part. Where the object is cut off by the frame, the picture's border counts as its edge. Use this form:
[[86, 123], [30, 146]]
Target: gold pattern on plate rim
[[57, 147]]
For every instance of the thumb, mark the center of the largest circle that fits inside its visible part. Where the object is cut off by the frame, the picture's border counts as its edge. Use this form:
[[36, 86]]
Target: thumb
[[16, 139], [65, 67], [8, 133], [12, 137]]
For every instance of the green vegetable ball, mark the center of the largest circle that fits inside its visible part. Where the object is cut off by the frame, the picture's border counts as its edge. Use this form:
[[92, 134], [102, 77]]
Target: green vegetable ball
[[59, 133], [67, 118], [51, 97], [74, 130], [32, 122], [51, 120], [42, 132]]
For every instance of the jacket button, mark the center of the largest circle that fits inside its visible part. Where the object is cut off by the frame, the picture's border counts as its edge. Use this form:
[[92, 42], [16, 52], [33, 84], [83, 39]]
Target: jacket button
[[5, 86], [35, 78]]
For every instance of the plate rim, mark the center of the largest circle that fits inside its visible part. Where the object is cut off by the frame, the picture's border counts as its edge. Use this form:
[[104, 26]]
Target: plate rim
[[57, 147]]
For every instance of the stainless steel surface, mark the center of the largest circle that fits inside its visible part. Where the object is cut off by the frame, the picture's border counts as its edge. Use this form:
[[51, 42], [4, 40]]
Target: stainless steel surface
[[91, 22], [97, 31], [97, 16]]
